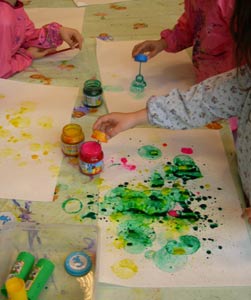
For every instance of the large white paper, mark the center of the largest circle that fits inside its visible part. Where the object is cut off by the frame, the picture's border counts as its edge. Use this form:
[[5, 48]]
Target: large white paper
[[80, 3], [68, 17], [118, 69], [31, 122], [125, 258]]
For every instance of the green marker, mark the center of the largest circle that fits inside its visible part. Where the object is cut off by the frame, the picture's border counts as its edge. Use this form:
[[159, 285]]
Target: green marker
[[38, 277], [21, 268]]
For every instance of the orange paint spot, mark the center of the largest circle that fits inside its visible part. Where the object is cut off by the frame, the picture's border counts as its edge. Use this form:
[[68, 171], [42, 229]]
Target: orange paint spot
[[65, 66], [101, 14], [34, 156], [139, 25], [41, 78], [117, 7], [214, 125]]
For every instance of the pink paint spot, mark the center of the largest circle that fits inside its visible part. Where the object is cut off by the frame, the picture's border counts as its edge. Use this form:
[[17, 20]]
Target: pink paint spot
[[164, 144], [126, 165], [173, 213], [187, 150]]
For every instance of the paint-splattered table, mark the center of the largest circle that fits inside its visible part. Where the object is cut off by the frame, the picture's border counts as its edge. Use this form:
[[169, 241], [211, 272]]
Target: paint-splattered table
[[76, 194]]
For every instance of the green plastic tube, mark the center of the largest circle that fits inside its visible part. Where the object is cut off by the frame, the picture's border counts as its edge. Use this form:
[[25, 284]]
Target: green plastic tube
[[38, 277]]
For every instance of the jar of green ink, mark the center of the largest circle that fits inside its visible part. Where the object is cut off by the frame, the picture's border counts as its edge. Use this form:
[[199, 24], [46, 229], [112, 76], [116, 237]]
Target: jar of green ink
[[92, 93]]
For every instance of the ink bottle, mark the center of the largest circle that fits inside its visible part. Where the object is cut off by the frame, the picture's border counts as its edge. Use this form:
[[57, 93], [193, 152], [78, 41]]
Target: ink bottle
[[20, 268], [38, 278], [71, 139], [91, 158], [92, 93]]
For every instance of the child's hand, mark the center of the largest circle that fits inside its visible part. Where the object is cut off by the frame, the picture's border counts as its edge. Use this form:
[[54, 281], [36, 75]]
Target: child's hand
[[35, 52], [247, 214], [152, 48], [72, 37], [114, 123]]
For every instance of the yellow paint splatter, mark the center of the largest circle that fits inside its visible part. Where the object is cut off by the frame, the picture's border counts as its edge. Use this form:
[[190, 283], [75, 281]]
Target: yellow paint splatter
[[20, 122], [4, 133], [45, 122], [179, 251], [6, 152], [35, 147], [125, 269], [26, 136], [12, 139], [54, 170], [119, 243], [22, 164]]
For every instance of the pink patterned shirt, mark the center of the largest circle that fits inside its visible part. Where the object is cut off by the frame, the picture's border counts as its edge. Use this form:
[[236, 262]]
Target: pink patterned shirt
[[17, 33], [204, 26]]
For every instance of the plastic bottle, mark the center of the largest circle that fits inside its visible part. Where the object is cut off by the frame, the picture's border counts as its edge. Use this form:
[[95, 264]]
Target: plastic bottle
[[38, 277]]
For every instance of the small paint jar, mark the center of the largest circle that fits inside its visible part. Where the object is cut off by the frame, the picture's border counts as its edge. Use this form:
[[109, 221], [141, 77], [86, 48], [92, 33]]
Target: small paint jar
[[91, 158], [71, 139], [92, 93]]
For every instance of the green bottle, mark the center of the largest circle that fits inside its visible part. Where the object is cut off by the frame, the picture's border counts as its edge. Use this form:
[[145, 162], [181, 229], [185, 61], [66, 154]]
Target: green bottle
[[21, 268], [38, 277]]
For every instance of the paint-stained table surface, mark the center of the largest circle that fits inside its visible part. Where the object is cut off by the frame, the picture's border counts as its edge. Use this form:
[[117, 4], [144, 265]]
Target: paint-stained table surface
[[132, 20]]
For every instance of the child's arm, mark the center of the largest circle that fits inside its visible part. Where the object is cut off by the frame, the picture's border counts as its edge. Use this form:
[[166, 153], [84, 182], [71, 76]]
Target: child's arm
[[213, 99], [114, 123], [51, 36], [182, 35]]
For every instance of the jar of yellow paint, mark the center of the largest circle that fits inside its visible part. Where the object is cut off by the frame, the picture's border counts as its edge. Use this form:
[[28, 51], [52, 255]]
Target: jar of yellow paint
[[71, 139]]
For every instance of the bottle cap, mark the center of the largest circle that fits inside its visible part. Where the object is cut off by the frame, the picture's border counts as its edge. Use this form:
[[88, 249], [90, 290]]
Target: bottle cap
[[141, 58], [78, 263]]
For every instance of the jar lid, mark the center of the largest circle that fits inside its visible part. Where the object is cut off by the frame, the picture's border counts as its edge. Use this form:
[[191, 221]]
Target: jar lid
[[141, 58], [78, 263]]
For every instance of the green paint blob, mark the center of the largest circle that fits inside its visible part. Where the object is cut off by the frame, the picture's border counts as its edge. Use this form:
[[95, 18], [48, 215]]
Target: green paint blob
[[149, 152], [112, 88], [186, 245], [167, 262], [214, 225], [183, 167], [149, 202], [72, 206], [156, 180], [136, 235], [138, 85], [90, 215]]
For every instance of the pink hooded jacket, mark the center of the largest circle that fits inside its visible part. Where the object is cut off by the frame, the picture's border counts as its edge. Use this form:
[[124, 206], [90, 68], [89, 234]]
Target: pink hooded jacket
[[205, 26], [17, 33]]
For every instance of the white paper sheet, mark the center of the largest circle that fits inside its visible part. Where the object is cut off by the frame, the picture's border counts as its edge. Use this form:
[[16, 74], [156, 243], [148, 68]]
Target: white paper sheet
[[31, 122], [118, 69], [223, 258], [68, 17], [80, 3]]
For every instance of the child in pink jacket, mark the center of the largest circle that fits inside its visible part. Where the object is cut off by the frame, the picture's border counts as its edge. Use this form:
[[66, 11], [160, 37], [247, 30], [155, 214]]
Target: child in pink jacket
[[204, 26], [21, 42]]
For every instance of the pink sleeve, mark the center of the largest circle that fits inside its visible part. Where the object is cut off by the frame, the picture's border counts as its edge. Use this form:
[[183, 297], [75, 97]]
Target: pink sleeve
[[181, 36], [46, 37], [11, 63]]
